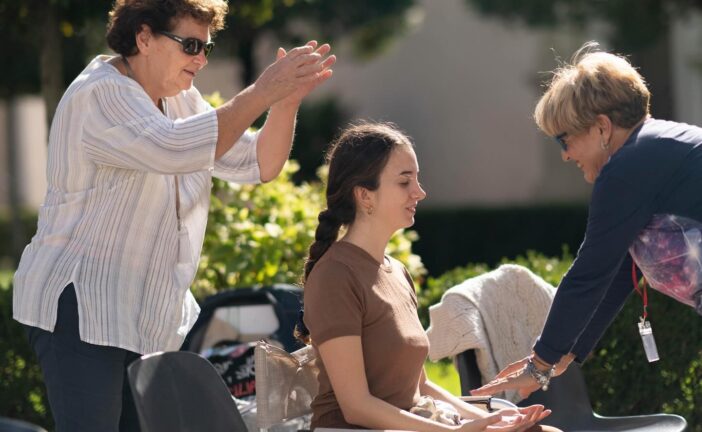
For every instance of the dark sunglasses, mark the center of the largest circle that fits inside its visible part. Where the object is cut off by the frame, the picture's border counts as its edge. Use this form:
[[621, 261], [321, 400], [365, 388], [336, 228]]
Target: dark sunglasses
[[560, 139], [191, 46]]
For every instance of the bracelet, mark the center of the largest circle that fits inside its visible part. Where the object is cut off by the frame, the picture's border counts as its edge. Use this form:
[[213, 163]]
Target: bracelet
[[543, 378]]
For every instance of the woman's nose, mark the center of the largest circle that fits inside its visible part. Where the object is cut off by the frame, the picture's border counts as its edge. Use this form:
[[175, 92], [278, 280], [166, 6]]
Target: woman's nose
[[201, 59], [419, 193]]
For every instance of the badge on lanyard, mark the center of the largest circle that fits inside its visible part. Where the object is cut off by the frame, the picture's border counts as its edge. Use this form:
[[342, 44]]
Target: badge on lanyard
[[645, 329]]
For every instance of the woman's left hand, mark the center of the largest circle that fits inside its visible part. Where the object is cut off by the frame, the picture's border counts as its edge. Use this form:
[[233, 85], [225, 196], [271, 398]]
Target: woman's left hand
[[322, 73], [531, 414], [513, 377]]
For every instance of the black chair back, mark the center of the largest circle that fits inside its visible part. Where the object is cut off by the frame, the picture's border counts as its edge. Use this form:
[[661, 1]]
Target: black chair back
[[181, 391], [12, 425]]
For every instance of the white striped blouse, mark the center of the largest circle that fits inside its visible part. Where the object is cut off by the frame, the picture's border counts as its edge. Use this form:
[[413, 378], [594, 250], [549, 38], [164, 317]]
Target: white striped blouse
[[108, 223]]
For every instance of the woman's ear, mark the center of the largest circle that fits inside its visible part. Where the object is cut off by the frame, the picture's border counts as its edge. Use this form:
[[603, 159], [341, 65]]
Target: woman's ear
[[604, 124], [144, 39], [364, 199]]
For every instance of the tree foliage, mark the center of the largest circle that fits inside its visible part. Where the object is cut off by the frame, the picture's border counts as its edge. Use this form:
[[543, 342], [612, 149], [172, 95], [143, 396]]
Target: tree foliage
[[635, 24], [370, 24]]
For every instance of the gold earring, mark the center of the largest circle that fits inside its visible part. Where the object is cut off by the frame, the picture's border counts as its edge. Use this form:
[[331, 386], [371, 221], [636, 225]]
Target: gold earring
[[370, 210], [604, 146]]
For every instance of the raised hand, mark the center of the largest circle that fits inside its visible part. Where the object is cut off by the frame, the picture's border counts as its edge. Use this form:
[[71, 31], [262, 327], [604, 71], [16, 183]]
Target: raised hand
[[295, 73], [318, 72]]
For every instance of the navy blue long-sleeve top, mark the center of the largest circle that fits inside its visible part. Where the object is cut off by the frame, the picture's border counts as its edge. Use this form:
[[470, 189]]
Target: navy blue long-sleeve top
[[658, 170]]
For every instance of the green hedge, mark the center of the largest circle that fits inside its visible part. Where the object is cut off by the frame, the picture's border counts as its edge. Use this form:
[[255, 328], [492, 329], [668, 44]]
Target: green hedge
[[22, 392], [620, 380], [8, 256]]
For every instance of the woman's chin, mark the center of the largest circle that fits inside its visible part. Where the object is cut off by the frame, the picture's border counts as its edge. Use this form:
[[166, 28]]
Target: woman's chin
[[589, 177]]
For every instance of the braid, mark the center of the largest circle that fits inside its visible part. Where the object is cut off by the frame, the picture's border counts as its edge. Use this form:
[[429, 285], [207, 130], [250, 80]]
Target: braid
[[325, 235]]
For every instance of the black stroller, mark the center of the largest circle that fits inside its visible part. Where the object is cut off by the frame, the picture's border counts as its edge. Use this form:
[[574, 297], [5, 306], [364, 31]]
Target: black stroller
[[230, 323]]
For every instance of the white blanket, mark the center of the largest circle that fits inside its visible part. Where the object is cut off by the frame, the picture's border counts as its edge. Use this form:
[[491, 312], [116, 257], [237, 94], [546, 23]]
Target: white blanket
[[499, 314]]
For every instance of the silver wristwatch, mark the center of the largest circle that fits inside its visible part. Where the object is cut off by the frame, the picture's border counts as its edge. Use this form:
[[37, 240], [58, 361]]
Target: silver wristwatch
[[542, 377]]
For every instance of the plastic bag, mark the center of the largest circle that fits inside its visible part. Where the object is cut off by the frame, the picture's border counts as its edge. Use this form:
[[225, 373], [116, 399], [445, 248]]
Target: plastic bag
[[669, 253]]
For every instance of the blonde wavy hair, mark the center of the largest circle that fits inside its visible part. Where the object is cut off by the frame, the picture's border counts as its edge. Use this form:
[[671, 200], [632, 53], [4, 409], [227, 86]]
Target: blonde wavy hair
[[593, 83]]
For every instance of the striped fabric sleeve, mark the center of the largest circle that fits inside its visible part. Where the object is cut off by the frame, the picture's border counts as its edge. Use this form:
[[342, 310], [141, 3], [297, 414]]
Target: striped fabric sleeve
[[126, 130], [240, 163]]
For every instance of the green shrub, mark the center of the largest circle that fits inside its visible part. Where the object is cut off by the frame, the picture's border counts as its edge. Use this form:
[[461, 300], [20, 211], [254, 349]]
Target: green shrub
[[9, 256], [620, 380], [261, 234], [22, 392]]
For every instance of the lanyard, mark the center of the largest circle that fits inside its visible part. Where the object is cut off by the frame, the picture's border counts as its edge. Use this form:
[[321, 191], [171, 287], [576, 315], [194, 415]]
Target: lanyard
[[643, 292]]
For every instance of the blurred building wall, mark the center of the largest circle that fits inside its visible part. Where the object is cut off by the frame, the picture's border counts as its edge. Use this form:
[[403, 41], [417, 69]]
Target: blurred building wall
[[686, 40], [30, 133]]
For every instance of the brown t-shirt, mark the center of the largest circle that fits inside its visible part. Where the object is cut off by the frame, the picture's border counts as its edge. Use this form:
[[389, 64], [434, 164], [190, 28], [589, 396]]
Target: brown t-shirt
[[348, 293]]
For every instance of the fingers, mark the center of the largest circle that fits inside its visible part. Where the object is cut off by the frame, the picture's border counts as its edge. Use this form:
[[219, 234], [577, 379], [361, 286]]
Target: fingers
[[545, 413], [308, 69], [316, 67], [298, 51], [532, 413], [329, 61], [296, 72], [323, 50]]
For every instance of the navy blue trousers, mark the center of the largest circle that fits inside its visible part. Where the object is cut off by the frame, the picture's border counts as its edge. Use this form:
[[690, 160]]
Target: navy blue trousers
[[87, 384]]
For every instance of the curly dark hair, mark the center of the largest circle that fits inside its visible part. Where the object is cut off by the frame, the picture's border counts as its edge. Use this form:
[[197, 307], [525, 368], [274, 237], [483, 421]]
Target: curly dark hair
[[127, 17]]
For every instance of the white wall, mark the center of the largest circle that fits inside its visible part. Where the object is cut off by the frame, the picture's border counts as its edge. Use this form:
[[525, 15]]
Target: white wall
[[31, 135], [686, 43], [464, 87]]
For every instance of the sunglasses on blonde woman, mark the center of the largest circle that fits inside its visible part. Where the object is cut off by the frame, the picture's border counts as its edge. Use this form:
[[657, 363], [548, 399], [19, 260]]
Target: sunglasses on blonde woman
[[560, 139], [191, 46]]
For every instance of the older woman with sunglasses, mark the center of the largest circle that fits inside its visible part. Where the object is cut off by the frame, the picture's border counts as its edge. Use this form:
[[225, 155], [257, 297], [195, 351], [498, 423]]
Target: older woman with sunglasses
[[132, 150], [645, 211]]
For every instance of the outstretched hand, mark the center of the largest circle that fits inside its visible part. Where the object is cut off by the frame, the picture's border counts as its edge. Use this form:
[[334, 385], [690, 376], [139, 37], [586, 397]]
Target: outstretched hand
[[531, 414], [513, 377], [507, 420]]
